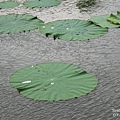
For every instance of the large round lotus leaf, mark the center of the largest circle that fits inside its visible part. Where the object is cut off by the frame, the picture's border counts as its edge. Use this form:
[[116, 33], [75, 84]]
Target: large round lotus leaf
[[41, 3], [15, 23], [103, 22], [72, 30], [115, 18], [8, 4], [53, 81]]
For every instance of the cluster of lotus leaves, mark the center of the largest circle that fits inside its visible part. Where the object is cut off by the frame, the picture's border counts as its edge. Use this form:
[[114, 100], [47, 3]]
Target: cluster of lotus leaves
[[73, 29], [53, 81]]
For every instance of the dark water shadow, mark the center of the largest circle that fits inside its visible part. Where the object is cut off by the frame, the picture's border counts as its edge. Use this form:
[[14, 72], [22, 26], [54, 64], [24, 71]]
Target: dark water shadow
[[87, 5]]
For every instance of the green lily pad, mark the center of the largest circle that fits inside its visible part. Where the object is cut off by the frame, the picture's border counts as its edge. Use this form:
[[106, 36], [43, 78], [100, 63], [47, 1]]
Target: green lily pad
[[8, 4], [103, 22], [15, 23], [115, 18], [41, 3], [72, 30], [53, 81]]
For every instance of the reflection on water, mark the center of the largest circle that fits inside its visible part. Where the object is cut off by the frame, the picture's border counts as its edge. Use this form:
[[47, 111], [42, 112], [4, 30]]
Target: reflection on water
[[86, 5]]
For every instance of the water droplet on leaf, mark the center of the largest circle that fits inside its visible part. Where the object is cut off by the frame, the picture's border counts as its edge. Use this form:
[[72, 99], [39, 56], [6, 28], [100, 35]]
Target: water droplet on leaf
[[52, 83], [52, 27], [27, 81]]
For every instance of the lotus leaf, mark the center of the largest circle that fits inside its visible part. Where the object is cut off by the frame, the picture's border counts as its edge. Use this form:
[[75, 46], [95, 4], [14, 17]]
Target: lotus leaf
[[115, 18], [53, 81], [72, 30], [15, 23], [8, 4], [103, 22], [41, 3]]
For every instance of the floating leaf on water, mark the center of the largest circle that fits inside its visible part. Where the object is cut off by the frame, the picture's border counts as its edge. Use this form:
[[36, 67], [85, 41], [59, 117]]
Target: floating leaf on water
[[15, 23], [73, 29], [8, 4], [53, 81], [103, 22], [41, 3], [115, 18]]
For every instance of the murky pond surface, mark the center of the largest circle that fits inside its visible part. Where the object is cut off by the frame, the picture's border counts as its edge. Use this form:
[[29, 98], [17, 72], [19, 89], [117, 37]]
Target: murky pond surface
[[100, 57]]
